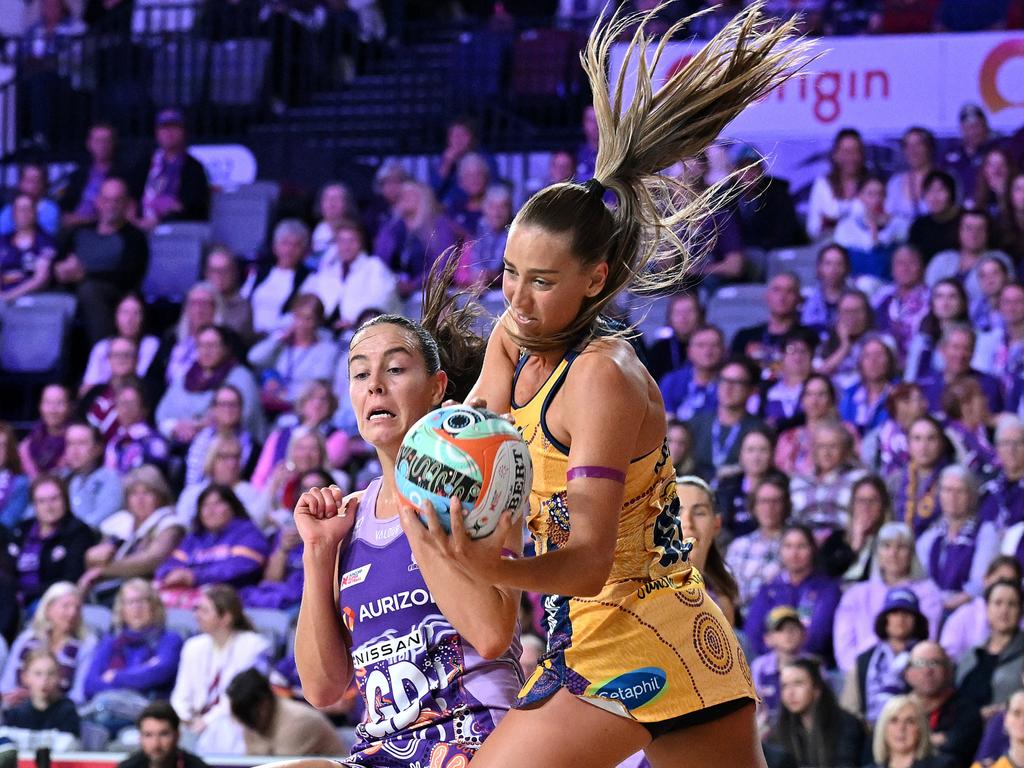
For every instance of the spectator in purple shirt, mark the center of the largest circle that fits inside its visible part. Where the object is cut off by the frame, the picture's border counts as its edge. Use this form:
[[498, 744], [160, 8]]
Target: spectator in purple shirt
[[136, 662], [813, 595], [26, 254], [957, 350], [947, 308], [50, 546], [668, 353], [694, 387], [224, 547], [1002, 497], [957, 548]]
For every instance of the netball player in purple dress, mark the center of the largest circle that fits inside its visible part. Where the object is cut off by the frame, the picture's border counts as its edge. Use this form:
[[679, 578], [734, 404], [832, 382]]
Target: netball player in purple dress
[[433, 652]]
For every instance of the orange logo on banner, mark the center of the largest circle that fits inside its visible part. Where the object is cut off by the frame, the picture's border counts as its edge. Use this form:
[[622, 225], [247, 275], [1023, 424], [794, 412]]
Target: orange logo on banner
[[997, 57]]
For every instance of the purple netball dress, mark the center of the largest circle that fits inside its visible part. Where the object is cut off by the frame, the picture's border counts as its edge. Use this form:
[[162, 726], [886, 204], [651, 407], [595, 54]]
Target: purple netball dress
[[430, 698]]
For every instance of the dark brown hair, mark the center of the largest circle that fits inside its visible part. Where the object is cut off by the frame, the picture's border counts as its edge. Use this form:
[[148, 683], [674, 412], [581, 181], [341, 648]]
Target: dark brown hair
[[444, 334]]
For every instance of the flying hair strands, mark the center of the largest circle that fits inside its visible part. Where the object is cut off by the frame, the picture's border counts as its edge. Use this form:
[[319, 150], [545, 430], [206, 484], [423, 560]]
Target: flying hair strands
[[650, 238]]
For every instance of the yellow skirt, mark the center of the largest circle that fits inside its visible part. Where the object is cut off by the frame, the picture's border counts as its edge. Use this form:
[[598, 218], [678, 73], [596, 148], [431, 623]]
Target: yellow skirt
[[650, 650]]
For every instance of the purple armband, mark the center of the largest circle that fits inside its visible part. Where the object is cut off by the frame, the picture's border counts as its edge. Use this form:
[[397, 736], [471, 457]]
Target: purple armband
[[600, 473]]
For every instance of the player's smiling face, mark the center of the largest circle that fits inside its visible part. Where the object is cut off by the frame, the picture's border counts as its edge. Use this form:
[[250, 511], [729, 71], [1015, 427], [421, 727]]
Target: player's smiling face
[[544, 283], [389, 385]]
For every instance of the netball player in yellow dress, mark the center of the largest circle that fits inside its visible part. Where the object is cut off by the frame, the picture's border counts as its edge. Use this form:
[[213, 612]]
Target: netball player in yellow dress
[[639, 657]]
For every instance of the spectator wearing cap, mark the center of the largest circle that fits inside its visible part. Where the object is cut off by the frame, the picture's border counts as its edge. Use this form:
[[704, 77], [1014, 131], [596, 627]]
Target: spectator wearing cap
[[870, 233], [754, 557], [693, 387], [967, 626], [957, 349], [1002, 497], [348, 282], [668, 351], [967, 425], [877, 675], [718, 433], [976, 138], [801, 585], [905, 191], [103, 261], [781, 400], [990, 672], [895, 565], [765, 209], [174, 185], [277, 284], [956, 727], [763, 343], [957, 548], [832, 194], [936, 229], [900, 307], [784, 635], [278, 726], [864, 403], [974, 234]]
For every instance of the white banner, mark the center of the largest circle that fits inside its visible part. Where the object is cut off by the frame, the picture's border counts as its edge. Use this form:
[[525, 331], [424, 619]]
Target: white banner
[[881, 85]]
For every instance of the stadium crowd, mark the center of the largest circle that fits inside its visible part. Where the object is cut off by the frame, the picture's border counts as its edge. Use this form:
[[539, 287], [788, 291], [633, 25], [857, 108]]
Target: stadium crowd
[[865, 442]]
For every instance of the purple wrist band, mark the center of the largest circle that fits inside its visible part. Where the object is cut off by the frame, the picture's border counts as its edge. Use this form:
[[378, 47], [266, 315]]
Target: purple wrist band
[[600, 473]]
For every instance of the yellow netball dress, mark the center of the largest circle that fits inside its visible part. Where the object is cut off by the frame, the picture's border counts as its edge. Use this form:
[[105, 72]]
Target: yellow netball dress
[[651, 645]]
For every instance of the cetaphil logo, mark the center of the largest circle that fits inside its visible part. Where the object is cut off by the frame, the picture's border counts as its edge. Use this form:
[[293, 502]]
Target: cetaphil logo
[[634, 689], [988, 77]]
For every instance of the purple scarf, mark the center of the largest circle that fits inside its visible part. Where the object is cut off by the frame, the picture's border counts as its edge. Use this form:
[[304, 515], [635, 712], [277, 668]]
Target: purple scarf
[[197, 379], [45, 449]]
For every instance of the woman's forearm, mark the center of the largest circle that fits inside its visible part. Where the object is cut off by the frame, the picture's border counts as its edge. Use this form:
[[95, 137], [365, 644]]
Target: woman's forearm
[[322, 652], [573, 572], [483, 614]]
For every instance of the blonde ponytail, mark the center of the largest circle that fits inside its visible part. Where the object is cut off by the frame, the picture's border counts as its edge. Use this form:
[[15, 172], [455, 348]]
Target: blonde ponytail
[[652, 237]]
